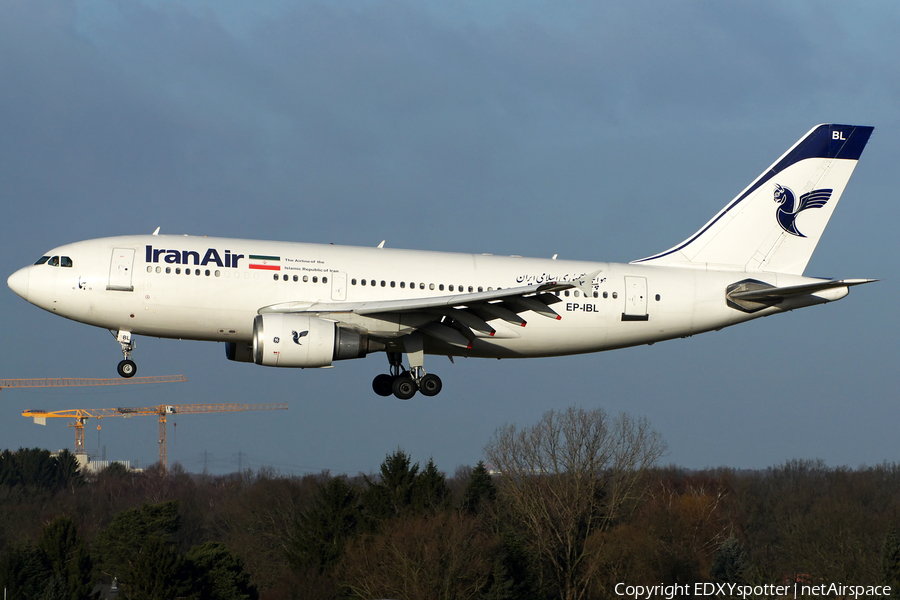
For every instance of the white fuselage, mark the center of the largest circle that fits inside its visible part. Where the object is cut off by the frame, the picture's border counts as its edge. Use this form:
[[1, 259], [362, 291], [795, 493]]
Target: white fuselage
[[212, 289]]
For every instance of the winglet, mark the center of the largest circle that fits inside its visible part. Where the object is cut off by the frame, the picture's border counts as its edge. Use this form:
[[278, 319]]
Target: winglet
[[586, 283]]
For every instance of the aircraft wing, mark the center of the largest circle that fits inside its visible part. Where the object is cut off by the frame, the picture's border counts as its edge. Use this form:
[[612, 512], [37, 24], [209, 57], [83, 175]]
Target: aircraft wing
[[452, 318]]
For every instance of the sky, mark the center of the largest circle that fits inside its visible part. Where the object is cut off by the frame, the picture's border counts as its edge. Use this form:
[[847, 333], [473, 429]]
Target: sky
[[591, 130]]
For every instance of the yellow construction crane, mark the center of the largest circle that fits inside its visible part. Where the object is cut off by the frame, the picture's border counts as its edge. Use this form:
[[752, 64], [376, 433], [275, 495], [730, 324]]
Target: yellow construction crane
[[81, 415], [81, 381]]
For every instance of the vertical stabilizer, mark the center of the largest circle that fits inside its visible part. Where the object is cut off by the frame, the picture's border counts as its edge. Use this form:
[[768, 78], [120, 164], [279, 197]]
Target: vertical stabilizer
[[776, 222]]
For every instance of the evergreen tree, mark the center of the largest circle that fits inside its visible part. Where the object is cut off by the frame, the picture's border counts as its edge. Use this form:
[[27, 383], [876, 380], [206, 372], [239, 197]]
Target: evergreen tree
[[480, 490], [430, 490], [890, 562], [69, 473], [67, 557], [729, 562], [25, 574], [118, 547], [392, 494], [218, 574], [36, 468], [156, 572], [326, 526]]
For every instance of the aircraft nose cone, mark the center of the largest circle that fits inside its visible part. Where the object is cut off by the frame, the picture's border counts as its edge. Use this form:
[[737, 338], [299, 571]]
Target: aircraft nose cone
[[18, 282]]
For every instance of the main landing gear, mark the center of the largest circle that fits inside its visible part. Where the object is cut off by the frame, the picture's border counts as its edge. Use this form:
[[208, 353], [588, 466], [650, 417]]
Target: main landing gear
[[404, 384], [127, 367]]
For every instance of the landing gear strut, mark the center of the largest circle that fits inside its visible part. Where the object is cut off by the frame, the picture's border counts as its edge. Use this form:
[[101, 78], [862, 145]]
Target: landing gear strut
[[404, 384], [127, 367]]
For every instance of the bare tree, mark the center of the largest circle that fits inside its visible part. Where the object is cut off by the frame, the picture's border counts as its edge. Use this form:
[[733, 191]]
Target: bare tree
[[444, 556], [567, 479]]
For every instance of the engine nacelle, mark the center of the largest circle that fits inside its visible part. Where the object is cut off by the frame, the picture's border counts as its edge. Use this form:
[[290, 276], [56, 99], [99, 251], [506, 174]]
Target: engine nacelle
[[292, 340]]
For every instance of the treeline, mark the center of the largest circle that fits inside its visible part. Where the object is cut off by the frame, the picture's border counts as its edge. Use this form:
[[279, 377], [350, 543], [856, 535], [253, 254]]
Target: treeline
[[569, 531]]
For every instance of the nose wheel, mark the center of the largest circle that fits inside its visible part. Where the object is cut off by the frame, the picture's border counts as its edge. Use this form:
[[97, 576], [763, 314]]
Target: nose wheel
[[404, 384], [127, 368]]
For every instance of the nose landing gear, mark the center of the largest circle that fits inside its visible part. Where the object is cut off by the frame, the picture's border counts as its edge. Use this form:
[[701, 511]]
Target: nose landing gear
[[127, 367]]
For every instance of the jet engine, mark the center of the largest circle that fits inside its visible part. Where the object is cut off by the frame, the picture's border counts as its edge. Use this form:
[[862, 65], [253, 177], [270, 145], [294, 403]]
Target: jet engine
[[293, 340]]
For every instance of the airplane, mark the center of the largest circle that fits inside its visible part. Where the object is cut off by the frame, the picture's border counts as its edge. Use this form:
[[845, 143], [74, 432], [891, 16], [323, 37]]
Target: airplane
[[285, 304]]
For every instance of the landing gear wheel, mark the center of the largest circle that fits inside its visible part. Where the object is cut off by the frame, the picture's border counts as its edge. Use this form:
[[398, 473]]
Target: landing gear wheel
[[383, 385], [404, 387], [127, 368], [430, 385]]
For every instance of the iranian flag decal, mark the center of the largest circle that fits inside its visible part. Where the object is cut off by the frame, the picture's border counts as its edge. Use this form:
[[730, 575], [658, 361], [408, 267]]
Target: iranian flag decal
[[265, 263]]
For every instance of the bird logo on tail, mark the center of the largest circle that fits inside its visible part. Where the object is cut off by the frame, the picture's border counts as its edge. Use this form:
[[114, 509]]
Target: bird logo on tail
[[787, 211]]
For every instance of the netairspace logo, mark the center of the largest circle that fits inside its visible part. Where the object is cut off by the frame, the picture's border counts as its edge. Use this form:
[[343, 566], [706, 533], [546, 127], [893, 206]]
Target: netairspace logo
[[737, 590]]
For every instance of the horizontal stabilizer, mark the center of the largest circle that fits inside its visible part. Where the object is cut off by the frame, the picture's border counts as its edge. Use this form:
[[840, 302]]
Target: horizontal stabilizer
[[751, 295], [778, 293]]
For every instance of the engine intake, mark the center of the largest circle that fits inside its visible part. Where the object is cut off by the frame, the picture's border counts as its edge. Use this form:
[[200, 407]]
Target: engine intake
[[291, 340]]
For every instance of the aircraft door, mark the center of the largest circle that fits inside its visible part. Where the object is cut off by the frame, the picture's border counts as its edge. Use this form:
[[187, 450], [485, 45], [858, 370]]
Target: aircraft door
[[635, 299], [338, 286], [121, 266]]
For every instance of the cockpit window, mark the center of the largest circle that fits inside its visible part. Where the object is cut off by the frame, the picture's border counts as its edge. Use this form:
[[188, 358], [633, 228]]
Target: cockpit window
[[55, 261]]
